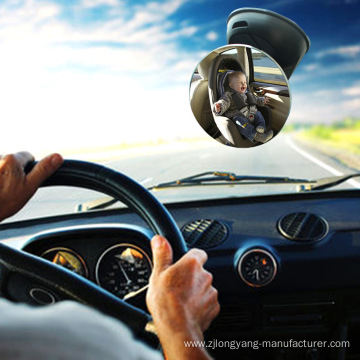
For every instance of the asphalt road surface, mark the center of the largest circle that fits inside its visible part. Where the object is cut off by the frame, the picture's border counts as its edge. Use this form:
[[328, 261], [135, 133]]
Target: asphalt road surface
[[280, 157]]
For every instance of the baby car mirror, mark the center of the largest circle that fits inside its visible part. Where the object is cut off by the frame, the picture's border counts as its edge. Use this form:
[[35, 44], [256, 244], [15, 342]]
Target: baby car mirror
[[240, 96], [276, 35]]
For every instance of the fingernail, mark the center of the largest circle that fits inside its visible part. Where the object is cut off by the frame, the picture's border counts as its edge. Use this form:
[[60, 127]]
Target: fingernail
[[156, 242], [56, 160]]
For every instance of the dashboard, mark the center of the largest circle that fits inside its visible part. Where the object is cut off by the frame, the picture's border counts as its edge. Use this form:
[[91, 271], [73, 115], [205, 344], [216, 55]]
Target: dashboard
[[117, 258], [284, 265]]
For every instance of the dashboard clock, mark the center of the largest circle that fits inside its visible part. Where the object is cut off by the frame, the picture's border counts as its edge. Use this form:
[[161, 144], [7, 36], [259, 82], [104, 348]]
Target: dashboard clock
[[257, 267]]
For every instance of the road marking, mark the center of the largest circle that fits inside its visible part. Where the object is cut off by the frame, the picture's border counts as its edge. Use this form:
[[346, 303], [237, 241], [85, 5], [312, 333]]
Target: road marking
[[320, 163], [142, 182]]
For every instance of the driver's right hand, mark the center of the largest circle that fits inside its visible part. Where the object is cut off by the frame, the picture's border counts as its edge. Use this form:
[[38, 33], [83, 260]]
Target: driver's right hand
[[180, 297]]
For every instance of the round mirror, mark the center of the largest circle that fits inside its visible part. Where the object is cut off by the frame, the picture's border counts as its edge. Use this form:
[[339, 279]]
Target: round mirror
[[240, 96]]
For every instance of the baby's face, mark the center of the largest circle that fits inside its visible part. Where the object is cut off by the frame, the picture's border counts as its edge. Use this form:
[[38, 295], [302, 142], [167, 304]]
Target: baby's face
[[238, 83]]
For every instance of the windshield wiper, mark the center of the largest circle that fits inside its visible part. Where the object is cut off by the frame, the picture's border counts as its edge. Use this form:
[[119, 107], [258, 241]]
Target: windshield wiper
[[206, 178], [328, 182], [215, 178], [220, 178]]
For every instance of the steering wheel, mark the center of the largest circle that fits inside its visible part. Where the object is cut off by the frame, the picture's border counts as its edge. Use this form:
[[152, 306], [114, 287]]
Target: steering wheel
[[18, 268]]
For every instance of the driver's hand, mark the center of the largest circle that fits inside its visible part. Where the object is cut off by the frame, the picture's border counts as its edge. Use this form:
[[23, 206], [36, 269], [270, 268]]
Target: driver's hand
[[16, 187], [180, 298]]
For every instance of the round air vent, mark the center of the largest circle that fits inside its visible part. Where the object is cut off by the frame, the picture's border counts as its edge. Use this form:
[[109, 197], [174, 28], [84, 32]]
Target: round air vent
[[303, 226], [205, 233]]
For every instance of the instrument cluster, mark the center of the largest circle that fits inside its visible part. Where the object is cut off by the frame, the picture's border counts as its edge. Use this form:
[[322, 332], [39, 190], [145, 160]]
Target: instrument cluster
[[118, 261]]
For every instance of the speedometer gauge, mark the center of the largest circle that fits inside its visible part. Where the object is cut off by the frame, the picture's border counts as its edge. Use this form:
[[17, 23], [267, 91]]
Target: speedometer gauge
[[123, 269]]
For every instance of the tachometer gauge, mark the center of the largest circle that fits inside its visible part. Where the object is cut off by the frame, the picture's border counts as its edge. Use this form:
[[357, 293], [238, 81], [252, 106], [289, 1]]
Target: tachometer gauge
[[68, 259], [123, 269]]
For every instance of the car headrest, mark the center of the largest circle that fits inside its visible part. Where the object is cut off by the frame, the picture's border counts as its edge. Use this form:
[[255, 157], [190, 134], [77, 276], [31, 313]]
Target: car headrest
[[222, 81], [220, 68]]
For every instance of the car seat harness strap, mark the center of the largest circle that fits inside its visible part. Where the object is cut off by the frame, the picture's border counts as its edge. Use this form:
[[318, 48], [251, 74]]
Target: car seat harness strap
[[247, 109]]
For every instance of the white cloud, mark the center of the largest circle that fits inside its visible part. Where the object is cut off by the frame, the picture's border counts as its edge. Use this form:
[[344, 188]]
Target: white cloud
[[353, 90], [351, 51], [311, 67], [212, 36], [37, 22], [353, 104], [56, 92], [324, 106], [330, 103], [154, 12], [352, 66], [96, 3]]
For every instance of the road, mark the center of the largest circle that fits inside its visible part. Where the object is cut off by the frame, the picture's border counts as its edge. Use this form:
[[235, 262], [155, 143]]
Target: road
[[280, 157]]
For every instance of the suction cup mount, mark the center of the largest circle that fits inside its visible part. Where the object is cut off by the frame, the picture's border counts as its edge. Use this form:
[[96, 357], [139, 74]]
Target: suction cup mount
[[270, 32]]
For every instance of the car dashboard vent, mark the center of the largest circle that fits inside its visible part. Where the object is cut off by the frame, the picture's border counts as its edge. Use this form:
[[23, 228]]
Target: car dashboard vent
[[303, 226], [205, 233]]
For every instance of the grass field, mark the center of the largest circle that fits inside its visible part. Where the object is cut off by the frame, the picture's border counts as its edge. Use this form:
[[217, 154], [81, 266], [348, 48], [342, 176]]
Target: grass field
[[341, 135], [340, 140]]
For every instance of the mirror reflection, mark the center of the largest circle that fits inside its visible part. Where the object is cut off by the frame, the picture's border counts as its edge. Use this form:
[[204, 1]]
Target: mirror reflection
[[240, 96]]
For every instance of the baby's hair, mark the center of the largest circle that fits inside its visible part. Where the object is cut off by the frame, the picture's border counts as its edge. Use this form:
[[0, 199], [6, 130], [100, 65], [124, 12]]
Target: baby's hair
[[233, 74]]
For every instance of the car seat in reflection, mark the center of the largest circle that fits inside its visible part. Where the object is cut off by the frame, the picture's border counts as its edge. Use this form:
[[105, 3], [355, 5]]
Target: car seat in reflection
[[242, 106], [230, 132]]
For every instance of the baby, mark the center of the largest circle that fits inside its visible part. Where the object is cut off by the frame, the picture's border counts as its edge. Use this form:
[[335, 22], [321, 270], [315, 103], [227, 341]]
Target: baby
[[241, 107]]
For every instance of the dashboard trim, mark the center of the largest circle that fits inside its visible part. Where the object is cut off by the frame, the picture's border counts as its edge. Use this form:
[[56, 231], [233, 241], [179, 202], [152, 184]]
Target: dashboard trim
[[305, 196]]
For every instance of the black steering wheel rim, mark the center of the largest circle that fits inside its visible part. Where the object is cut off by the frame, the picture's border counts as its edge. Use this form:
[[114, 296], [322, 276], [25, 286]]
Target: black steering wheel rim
[[119, 186], [15, 264]]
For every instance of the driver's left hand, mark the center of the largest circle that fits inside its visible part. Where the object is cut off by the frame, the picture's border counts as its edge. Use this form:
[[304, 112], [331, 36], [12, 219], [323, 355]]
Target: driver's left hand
[[17, 187]]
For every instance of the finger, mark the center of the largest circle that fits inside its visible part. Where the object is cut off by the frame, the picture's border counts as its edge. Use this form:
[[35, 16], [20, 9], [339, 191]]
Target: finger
[[199, 255], [162, 253], [211, 315], [203, 281], [208, 278], [43, 169], [12, 165], [211, 306], [23, 158]]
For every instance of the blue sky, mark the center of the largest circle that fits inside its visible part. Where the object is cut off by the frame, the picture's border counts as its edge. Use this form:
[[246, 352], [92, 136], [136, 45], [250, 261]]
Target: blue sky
[[109, 71]]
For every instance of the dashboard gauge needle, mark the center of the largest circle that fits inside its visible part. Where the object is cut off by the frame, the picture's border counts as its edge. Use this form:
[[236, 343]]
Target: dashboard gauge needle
[[256, 273], [128, 281], [134, 293]]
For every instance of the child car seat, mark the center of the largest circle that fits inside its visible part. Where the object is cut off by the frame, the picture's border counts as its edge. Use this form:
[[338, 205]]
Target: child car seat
[[200, 105], [223, 86], [220, 68]]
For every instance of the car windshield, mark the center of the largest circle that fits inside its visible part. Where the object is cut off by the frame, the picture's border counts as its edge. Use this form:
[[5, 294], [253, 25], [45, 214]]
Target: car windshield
[[108, 81]]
